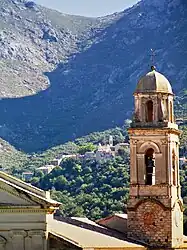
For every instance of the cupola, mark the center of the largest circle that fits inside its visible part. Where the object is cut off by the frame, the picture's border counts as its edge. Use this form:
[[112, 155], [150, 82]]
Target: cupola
[[153, 101], [154, 82]]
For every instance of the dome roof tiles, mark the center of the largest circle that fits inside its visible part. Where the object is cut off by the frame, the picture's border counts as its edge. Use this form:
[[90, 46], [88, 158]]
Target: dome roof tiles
[[154, 82]]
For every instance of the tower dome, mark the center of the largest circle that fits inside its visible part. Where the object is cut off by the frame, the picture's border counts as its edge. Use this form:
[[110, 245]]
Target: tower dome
[[154, 82]]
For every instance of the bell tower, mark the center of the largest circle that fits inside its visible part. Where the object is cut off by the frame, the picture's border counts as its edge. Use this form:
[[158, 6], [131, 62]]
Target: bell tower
[[155, 208]]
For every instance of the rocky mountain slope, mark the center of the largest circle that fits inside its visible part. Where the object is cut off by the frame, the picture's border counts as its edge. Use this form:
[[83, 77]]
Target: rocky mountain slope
[[33, 40], [64, 76]]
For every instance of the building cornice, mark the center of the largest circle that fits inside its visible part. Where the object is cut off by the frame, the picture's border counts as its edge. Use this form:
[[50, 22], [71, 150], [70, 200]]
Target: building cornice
[[153, 131], [9, 209]]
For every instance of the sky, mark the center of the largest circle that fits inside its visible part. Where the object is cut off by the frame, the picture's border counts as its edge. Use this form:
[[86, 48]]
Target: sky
[[90, 8]]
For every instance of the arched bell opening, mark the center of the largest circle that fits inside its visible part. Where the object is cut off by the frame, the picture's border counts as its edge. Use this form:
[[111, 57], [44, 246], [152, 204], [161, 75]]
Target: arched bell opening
[[149, 111], [150, 167]]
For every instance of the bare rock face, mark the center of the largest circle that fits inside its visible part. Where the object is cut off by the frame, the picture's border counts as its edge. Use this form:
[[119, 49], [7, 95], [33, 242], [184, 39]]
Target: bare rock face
[[34, 40], [64, 76]]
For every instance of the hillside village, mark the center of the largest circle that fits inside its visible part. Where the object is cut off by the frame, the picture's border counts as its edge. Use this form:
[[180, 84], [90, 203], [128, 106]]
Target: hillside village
[[100, 154]]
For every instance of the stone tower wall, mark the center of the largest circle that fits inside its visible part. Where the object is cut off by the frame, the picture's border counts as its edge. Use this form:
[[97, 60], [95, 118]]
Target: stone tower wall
[[151, 223], [155, 212]]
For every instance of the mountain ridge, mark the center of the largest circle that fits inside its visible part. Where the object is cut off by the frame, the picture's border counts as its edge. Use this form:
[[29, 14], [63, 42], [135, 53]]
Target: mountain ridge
[[91, 90]]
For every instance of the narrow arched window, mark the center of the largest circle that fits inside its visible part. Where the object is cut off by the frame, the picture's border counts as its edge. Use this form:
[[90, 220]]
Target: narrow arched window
[[149, 111], [171, 111], [150, 167]]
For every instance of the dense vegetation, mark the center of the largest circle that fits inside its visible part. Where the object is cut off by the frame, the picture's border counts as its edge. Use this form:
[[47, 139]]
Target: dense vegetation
[[10, 157], [95, 190], [88, 188], [85, 188]]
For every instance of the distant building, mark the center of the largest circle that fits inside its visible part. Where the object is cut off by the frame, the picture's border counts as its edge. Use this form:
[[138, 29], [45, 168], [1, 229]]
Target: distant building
[[89, 155], [182, 161], [56, 162], [116, 221], [180, 121], [124, 145], [72, 156], [111, 141], [46, 169], [27, 176], [104, 153]]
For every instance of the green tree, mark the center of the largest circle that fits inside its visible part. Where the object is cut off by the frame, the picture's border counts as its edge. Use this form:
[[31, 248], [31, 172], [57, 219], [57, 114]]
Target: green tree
[[60, 182], [89, 147]]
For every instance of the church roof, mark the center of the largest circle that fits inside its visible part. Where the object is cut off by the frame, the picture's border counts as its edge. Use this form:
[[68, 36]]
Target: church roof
[[117, 222], [90, 236], [154, 82], [23, 192]]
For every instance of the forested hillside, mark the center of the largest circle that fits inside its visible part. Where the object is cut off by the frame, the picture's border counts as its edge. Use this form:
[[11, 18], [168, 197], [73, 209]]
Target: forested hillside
[[85, 187], [16, 162], [96, 190], [89, 189]]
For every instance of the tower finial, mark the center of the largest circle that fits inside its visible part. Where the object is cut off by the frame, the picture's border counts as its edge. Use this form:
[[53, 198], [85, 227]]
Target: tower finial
[[152, 59], [153, 68]]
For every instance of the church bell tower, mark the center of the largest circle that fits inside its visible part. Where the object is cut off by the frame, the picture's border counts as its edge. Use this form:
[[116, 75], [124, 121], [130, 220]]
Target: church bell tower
[[155, 208]]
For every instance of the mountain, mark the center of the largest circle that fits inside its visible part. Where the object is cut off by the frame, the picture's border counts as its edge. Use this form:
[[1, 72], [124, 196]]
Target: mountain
[[64, 76], [34, 40]]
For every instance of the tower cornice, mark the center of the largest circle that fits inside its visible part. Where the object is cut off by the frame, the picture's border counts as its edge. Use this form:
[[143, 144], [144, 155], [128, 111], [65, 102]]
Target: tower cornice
[[152, 131]]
